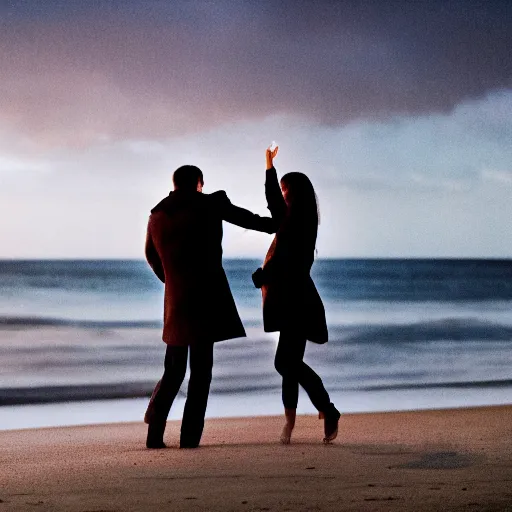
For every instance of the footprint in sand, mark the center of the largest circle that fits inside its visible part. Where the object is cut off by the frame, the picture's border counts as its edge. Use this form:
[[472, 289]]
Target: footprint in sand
[[442, 460]]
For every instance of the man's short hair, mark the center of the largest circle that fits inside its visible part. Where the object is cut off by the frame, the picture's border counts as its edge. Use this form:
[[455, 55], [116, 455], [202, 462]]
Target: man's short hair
[[187, 176]]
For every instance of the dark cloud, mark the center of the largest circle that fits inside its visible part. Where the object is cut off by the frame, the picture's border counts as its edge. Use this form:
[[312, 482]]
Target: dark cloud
[[75, 71]]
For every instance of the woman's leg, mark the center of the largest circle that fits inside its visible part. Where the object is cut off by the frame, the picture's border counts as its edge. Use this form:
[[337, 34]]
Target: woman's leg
[[288, 357], [289, 363], [285, 362]]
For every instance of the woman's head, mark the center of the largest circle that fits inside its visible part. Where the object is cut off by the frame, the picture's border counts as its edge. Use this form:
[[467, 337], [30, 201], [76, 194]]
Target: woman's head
[[299, 194]]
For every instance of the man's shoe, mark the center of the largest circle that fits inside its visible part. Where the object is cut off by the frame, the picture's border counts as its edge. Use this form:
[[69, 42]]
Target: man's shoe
[[156, 446], [190, 436], [331, 419], [188, 444], [155, 438]]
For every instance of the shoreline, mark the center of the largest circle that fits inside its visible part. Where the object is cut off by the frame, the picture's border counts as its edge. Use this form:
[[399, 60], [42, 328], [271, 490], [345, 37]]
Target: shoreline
[[452, 459], [230, 405]]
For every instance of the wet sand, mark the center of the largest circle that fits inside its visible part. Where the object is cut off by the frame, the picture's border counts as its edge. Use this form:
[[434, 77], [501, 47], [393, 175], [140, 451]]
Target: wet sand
[[456, 459]]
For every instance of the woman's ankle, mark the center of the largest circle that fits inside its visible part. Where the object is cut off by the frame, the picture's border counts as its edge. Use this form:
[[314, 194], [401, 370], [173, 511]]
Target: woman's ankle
[[290, 415], [329, 412]]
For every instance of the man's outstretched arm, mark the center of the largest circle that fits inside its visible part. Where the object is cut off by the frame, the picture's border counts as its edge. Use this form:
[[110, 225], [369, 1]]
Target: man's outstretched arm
[[242, 217]]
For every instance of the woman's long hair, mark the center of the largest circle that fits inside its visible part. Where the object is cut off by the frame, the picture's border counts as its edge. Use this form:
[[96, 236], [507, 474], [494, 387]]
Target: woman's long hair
[[302, 201]]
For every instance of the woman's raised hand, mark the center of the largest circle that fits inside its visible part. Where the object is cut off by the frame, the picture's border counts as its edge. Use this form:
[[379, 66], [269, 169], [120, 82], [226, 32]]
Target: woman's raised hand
[[271, 154]]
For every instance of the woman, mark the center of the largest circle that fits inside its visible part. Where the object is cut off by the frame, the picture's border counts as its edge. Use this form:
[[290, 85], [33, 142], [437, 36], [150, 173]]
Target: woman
[[291, 304]]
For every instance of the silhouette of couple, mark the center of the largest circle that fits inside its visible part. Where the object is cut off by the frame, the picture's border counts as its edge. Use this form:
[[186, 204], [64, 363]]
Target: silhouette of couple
[[184, 249]]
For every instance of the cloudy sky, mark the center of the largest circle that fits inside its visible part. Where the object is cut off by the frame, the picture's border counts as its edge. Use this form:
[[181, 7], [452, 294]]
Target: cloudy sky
[[401, 114]]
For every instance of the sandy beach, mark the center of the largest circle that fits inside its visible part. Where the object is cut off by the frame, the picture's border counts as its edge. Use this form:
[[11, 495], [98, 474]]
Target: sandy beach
[[456, 459]]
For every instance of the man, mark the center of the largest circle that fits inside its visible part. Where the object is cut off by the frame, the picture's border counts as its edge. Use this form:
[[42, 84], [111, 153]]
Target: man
[[184, 249]]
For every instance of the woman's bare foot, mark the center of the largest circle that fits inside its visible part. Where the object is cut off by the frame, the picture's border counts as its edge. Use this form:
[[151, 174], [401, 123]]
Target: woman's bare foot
[[286, 434], [331, 418]]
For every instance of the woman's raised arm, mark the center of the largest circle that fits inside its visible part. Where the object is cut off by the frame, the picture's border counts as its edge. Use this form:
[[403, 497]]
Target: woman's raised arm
[[275, 200]]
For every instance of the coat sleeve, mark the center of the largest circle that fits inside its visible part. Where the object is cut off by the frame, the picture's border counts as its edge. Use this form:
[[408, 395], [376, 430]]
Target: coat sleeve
[[152, 256], [242, 217], [277, 207], [275, 200]]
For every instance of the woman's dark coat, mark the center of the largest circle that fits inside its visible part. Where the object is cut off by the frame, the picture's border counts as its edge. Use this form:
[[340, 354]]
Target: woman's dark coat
[[184, 249], [290, 298]]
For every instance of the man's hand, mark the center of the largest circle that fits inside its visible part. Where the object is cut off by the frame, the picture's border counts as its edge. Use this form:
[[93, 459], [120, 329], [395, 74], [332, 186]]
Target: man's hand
[[271, 154]]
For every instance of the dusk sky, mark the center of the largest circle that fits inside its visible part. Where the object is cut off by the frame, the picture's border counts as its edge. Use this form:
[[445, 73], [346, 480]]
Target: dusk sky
[[400, 112]]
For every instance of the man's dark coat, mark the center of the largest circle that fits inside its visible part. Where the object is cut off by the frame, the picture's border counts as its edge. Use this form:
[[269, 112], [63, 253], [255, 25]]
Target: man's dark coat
[[184, 249]]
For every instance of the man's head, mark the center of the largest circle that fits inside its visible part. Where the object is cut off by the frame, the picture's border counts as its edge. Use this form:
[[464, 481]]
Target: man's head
[[188, 177]]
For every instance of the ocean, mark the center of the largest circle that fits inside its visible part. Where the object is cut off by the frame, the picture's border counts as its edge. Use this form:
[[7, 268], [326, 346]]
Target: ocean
[[80, 341]]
